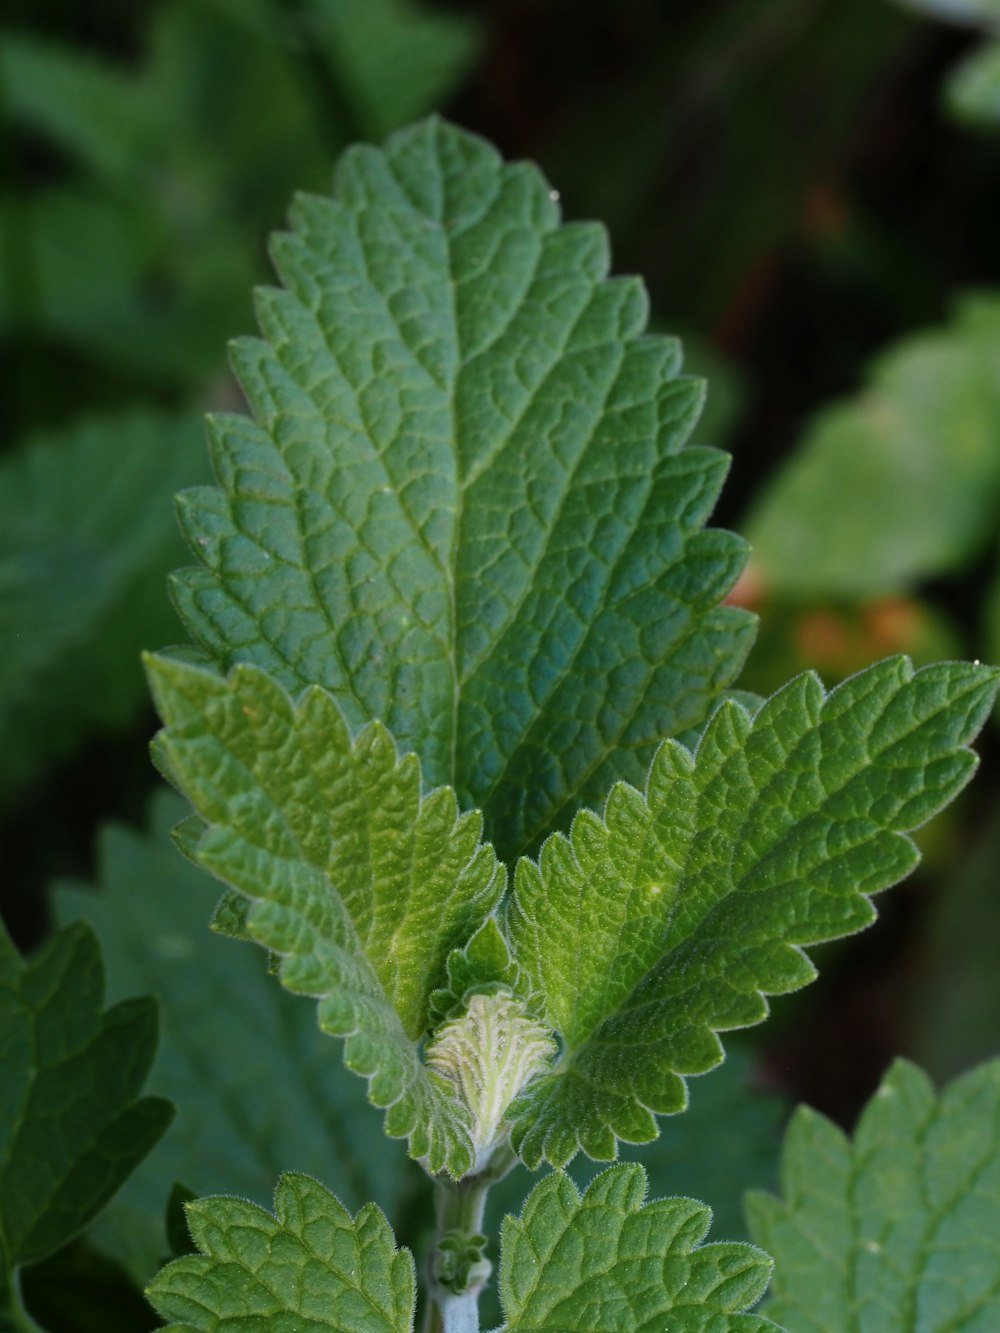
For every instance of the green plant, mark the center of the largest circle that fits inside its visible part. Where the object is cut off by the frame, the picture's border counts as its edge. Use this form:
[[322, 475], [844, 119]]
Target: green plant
[[455, 595]]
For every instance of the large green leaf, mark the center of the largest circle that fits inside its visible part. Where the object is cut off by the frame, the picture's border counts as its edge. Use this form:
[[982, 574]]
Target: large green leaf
[[899, 1228], [608, 1262], [362, 885], [898, 483], [85, 528], [463, 505], [666, 921], [73, 1124], [310, 1266], [256, 1089]]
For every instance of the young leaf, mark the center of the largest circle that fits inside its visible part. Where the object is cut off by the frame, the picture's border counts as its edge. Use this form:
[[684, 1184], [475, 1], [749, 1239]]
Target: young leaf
[[609, 1263], [72, 1122], [309, 1265], [72, 554], [463, 505], [254, 1084], [667, 921], [359, 883], [898, 1229]]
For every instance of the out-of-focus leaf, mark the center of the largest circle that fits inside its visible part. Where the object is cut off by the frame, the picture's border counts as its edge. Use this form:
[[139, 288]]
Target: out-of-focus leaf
[[86, 538], [900, 482], [897, 1229], [90, 107], [972, 90], [954, 1001], [73, 1124], [258, 1088], [394, 59]]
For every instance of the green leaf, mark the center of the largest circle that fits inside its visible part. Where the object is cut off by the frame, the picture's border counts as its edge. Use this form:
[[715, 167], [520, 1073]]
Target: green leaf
[[463, 505], [972, 90], [393, 60], [667, 921], [73, 1125], [87, 105], [85, 529], [309, 1266], [609, 1263], [254, 1083], [359, 883], [899, 1228], [838, 519]]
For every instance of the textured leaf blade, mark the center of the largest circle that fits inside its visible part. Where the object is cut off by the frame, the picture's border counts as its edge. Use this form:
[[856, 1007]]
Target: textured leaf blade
[[897, 1228], [669, 920], [254, 1084], [359, 883], [73, 1124], [608, 1262], [309, 1265], [463, 505]]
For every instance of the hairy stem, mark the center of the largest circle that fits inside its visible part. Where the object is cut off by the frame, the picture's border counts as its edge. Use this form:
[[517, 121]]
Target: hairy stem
[[459, 1208]]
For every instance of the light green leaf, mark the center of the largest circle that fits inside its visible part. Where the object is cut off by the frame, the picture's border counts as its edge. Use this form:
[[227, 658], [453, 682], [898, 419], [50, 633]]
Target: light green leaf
[[359, 883], [667, 921], [85, 529], [463, 505], [921, 440], [972, 90], [608, 1262], [309, 1266], [898, 1229], [73, 1124], [256, 1089]]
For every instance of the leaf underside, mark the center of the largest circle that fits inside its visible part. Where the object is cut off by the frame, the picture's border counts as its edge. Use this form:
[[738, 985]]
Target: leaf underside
[[359, 883], [73, 1125], [899, 1227], [608, 1262], [463, 504], [308, 1266], [670, 919]]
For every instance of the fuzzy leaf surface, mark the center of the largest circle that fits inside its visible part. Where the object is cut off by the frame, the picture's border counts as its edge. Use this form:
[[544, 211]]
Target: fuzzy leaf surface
[[609, 1262], [462, 504], [256, 1089], [73, 1123], [359, 883], [898, 1228], [309, 1266], [670, 919]]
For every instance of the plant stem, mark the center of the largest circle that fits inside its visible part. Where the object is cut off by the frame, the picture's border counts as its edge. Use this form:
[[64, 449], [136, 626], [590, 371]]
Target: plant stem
[[459, 1206]]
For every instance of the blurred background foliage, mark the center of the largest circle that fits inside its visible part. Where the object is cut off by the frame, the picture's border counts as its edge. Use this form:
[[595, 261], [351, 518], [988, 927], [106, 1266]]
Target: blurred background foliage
[[811, 189]]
